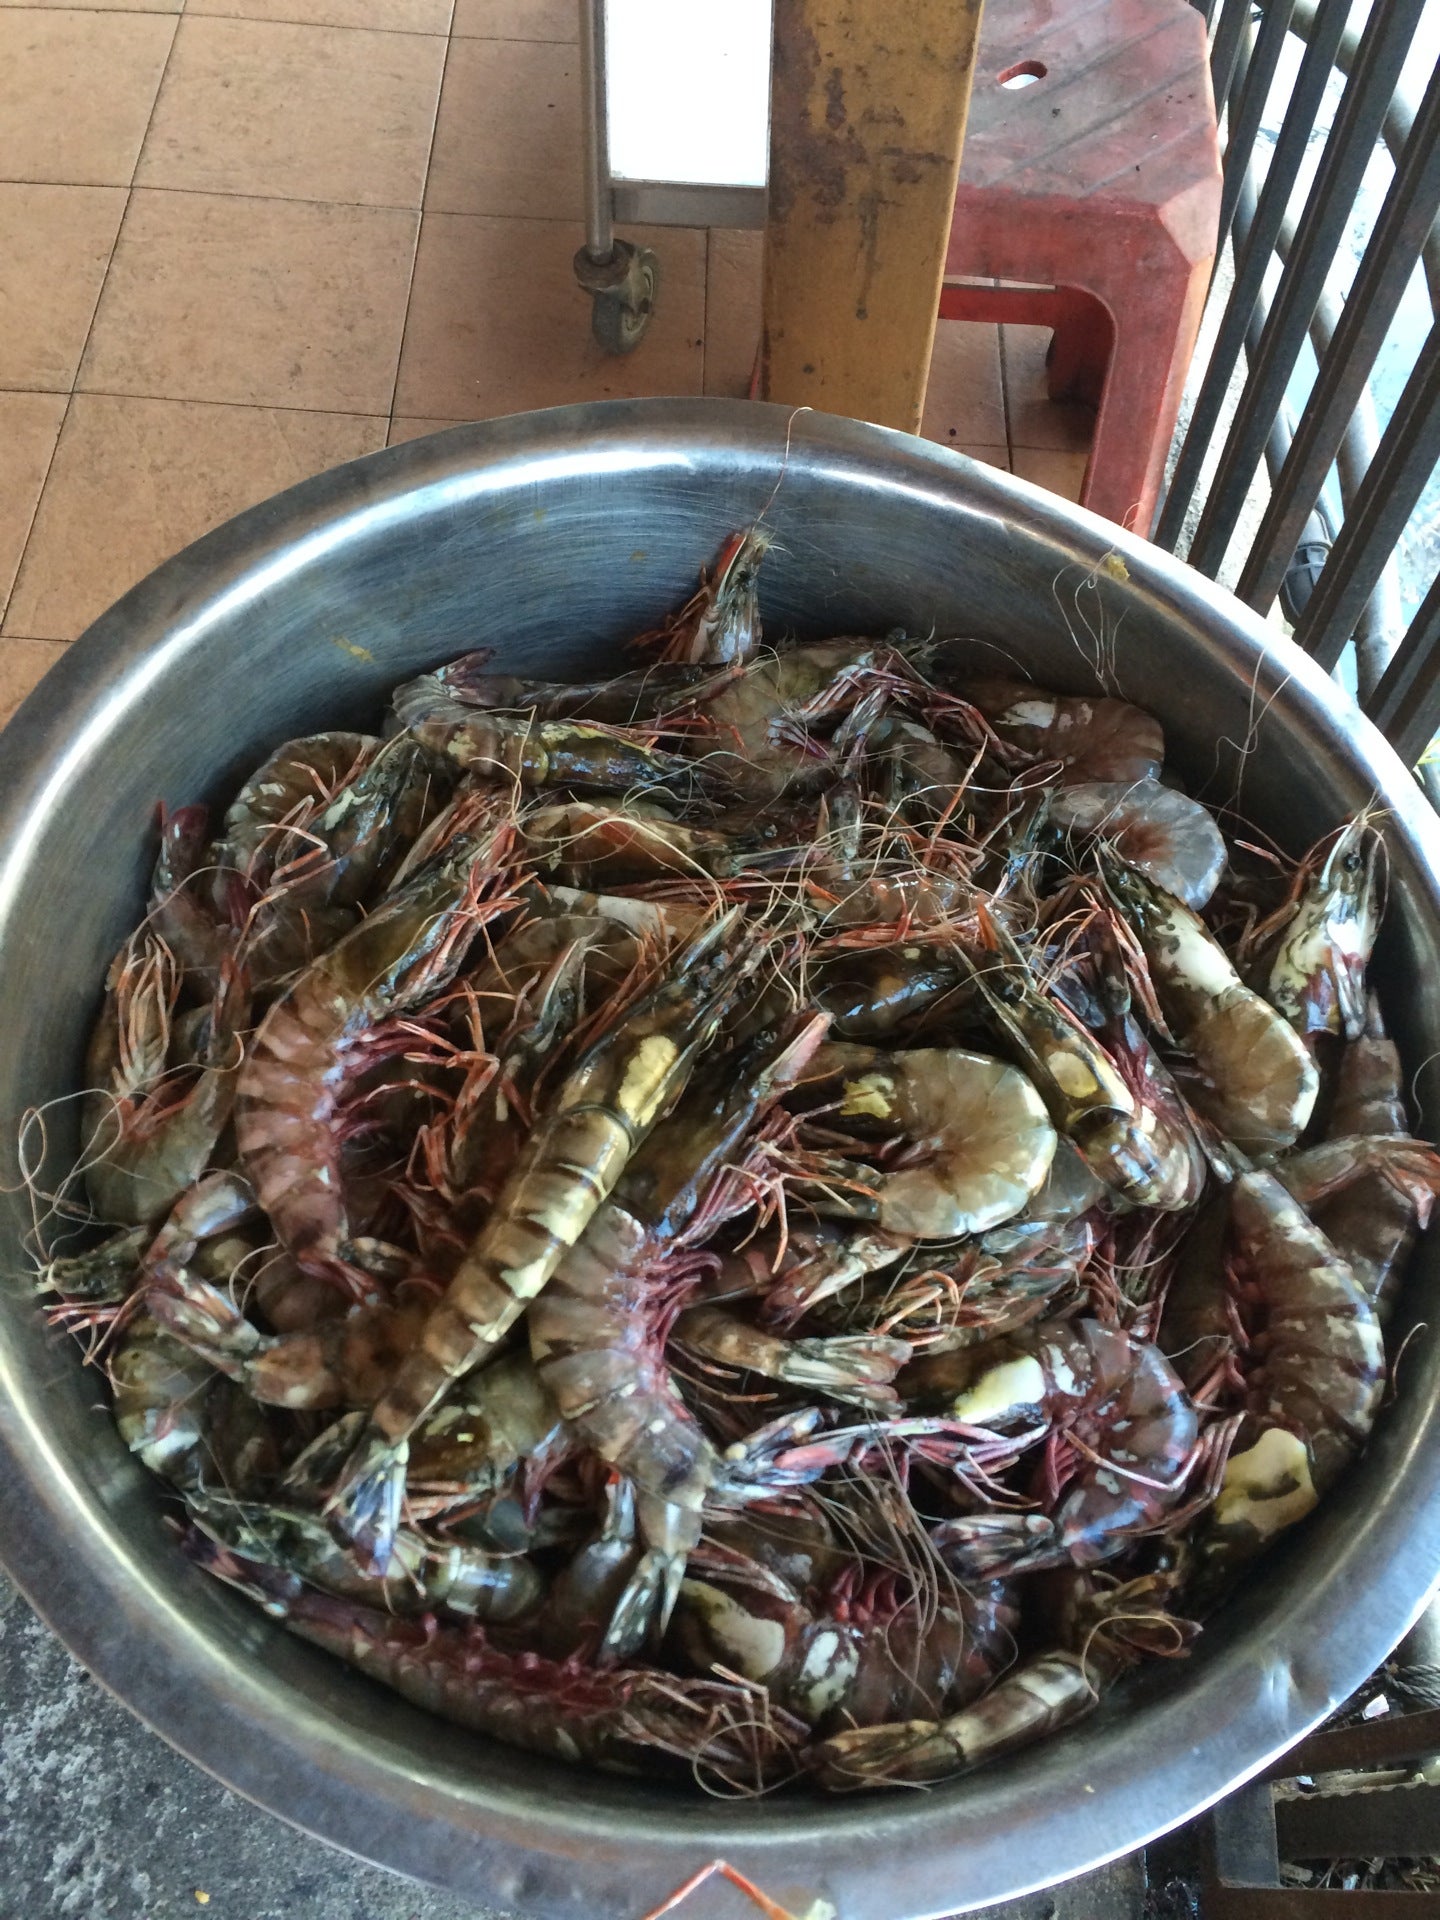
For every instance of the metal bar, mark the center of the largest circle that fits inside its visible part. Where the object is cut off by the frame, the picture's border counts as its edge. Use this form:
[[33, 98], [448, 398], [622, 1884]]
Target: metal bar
[[1382, 623], [866, 127], [1387, 1741], [686, 203], [1322, 225], [1251, 260], [1225, 47], [1406, 708], [1399, 118], [1369, 1822], [595, 132], [1246, 116], [1397, 477], [1242, 1846], [1380, 281], [1317, 1903]]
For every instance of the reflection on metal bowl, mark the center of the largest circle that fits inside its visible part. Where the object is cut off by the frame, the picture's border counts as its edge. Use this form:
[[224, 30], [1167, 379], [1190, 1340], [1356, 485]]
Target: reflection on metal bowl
[[550, 538]]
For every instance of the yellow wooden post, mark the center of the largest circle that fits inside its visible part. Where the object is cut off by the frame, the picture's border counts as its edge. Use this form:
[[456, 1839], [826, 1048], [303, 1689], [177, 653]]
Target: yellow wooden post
[[867, 116]]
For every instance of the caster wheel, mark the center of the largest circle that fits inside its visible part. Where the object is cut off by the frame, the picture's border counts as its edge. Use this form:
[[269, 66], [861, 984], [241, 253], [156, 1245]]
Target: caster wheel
[[623, 291]]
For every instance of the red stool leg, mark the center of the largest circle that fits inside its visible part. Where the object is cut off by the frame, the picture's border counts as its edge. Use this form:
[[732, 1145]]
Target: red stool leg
[[1156, 309], [1079, 355]]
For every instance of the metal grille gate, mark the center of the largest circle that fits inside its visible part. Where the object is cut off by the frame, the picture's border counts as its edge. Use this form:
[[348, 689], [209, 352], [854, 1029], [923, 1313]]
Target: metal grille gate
[[1337, 584]]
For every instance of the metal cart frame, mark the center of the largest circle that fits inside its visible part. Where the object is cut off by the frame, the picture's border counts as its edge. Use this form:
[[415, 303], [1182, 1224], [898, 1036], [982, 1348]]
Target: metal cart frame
[[622, 278]]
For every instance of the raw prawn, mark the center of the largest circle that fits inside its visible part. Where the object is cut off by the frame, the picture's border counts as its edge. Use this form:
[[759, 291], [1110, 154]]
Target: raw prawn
[[1092, 738], [624, 700], [1371, 1223], [1254, 1077], [1369, 1196], [1047, 1692], [584, 841], [720, 623], [579, 754], [875, 994], [851, 1367], [346, 1362], [629, 1720], [978, 1132], [1163, 834], [1314, 1391], [315, 880], [183, 1422], [1119, 1402], [423, 1574], [149, 1133], [566, 1171], [314, 1036], [1317, 977], [1083, 1090], [853, 1661], [591, 1337]]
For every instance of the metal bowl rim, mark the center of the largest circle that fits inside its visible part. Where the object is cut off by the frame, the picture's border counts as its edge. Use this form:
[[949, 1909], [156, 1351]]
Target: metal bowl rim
[[63, 1559]]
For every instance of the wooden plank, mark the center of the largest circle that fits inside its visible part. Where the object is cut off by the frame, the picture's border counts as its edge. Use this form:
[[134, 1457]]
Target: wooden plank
[[867, 117]]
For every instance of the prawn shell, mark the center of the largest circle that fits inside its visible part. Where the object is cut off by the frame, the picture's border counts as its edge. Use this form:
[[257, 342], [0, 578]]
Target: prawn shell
[[979, 1128], [1161, 833]]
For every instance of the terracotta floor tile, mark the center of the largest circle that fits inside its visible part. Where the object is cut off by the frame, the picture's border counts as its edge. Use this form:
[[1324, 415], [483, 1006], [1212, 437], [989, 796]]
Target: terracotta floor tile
[[732, 310], [516, 19], [408, 427], [23, 665], [394, 16], [497, 323], [305, 113], [1061, 471], [964, 399], [508, 136], [29, 423], [991, 456], [54, 247], [1035, 419], [76, 91], [133, 481], [259, 302]]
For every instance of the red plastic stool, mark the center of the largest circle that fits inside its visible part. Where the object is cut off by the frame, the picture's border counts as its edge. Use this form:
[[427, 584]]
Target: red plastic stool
[[1101, 180]]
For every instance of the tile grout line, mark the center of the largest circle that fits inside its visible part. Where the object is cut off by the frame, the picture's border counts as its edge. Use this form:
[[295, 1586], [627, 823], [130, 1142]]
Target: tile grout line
[[193, 400], [575, 220], [323, 26], [85, 343], [419, 227], [1005, 395]]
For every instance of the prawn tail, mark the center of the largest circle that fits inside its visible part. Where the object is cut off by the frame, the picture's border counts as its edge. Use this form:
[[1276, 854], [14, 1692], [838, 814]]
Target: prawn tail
[[363, 1511], [269, 1587], [916, 1752], [858, 1367], [644, 1606], [202, 1318]]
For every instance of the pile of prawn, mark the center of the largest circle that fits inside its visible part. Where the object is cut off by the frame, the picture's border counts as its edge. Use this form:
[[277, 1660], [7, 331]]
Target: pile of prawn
[[799, 1210]]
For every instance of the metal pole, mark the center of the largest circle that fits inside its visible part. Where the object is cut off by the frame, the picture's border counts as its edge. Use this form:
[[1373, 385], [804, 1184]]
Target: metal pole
[[1386, 42], [1225, 47], [1406, 704], [1403, 226], [1246, 117], [1252, 257], [1397, 477], [595, 132]]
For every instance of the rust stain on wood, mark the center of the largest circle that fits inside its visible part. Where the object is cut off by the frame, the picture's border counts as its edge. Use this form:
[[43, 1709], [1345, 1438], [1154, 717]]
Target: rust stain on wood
[[865, 141]]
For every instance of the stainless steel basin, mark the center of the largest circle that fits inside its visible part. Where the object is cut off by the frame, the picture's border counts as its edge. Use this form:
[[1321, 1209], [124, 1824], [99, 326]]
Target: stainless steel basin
[[550, 537]]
